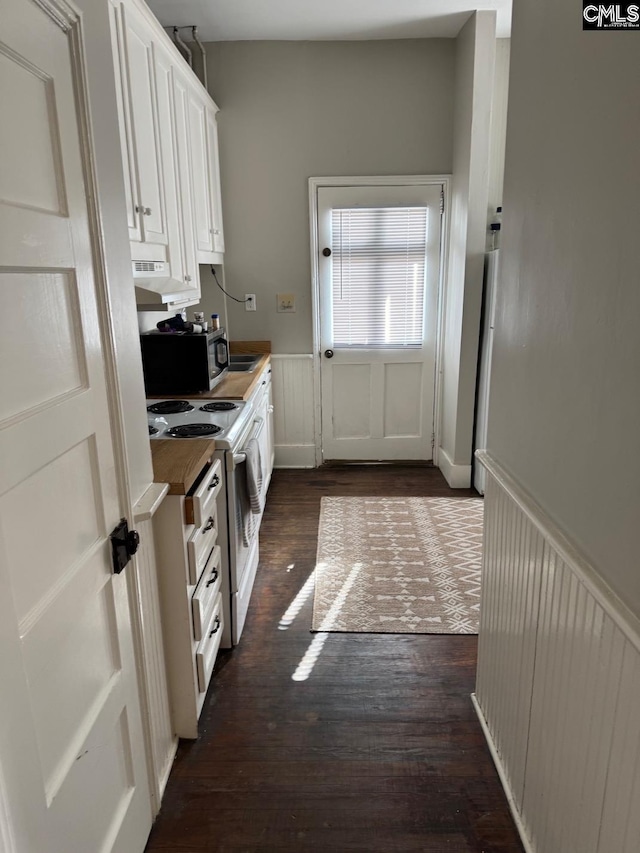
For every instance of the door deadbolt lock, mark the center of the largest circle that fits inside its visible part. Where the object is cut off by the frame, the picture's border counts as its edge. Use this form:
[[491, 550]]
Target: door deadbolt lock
[[124, 544]]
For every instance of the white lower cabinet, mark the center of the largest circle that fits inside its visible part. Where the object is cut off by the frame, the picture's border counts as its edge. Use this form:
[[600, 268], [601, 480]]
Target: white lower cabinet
[[192, 584]]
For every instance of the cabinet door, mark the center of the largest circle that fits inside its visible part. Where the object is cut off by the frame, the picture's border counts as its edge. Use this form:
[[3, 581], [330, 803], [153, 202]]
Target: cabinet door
[[197, 113], [145, 127], [170, 162], [270, 425], [214, 181], [124, 121], [184, 171]]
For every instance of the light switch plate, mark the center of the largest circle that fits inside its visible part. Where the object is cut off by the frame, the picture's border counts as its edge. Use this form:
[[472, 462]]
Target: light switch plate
[[286, 303]]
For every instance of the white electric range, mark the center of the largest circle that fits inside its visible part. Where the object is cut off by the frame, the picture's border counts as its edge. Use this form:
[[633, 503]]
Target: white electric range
[[232, 424], [223, 420]]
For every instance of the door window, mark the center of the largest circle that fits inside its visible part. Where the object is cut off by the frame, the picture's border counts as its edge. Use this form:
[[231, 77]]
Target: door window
[[378, 276]]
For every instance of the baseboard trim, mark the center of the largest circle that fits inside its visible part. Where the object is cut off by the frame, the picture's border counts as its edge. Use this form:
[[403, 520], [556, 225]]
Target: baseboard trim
[[526, 843], [166, 771], [457, 476], [295, 456]]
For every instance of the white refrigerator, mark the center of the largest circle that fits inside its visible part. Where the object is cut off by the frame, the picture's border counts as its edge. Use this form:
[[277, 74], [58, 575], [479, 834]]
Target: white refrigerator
[[492, 261]]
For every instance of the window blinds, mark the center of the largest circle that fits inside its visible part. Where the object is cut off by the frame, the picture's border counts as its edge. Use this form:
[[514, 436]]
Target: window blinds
[[378, 278]]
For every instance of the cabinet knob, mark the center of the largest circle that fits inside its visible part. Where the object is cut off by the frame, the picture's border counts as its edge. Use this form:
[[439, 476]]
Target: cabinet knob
[[214, 482], [217, 626], [216, 230], [147, 211], [187, 278], [210, 524], [214, 577]]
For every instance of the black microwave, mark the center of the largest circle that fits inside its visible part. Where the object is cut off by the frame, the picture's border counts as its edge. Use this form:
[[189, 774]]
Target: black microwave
[[183, 362]]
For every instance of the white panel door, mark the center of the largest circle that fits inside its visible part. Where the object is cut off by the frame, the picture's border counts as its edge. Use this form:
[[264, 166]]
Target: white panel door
[[71, 747], [377, 387]]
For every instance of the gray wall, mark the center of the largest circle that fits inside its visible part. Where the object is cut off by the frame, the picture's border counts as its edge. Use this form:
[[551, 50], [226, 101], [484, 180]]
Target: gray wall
[[475, 61], [565, 390], [294, 110]]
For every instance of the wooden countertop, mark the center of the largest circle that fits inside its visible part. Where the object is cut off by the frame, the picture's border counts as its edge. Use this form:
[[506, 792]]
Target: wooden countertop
[[178, 461], [238, 385], [235, 386]]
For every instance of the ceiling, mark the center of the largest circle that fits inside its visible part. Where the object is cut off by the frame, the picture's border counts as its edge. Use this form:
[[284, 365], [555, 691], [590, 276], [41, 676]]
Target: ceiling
[[320, 20]]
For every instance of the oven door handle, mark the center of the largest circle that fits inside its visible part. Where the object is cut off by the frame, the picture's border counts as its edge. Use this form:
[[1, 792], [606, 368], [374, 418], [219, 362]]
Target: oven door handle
[[258, 425]]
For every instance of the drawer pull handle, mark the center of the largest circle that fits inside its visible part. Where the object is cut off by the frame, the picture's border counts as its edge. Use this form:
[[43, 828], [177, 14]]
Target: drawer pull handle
[[210, 525], [217, 627], [214, 482], [213, 578]]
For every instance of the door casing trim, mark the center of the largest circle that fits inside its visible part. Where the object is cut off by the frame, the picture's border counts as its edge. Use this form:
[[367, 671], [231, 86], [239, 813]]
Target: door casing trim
[[377, 181]]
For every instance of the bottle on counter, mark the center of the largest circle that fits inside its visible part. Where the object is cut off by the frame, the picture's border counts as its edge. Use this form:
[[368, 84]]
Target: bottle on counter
[[215, 321]]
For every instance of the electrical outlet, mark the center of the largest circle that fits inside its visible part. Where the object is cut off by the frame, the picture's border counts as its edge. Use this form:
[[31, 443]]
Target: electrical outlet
[[249, 302], [286, 303]]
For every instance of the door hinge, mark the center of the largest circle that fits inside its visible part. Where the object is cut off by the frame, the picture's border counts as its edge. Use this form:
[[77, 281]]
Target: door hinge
[[441, 201], [124, 544]]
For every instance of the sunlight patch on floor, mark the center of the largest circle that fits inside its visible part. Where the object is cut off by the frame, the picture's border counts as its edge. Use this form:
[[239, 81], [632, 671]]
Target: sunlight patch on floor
[[288, 617], [306, 665]]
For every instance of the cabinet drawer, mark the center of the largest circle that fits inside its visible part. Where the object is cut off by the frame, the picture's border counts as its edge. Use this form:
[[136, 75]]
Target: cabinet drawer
[[200, 543], [208, 648], [197, 507], [204, 596]]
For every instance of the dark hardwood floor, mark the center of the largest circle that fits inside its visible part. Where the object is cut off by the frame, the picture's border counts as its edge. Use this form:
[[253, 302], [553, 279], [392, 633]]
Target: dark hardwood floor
[[378, 750]]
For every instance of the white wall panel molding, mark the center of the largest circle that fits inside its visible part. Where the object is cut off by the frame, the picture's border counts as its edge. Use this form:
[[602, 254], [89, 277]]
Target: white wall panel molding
[[558, 682], [603, 593], [293, 401], [457, 476]]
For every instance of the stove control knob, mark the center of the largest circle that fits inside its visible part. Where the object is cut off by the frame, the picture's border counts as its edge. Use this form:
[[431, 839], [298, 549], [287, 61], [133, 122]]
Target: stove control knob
[[328, 353]]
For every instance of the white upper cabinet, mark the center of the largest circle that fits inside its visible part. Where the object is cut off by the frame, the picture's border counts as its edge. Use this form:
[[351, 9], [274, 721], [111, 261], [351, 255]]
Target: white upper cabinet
[[180, 88], [214, 181], [169, 145], [182, 259], [145, 129], [205, 176]]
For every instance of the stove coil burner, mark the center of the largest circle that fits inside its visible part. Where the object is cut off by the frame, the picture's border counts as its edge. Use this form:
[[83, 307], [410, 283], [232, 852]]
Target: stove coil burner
[[193, 430], [153, 430], [170, 407], [219, 406]]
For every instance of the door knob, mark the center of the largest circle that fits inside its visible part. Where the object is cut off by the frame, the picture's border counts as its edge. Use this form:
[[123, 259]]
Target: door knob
[[328, 353], [326, 252]]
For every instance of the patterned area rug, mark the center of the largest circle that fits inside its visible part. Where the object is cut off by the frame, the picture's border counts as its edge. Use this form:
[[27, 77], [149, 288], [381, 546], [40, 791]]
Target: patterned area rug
[[399, 565]]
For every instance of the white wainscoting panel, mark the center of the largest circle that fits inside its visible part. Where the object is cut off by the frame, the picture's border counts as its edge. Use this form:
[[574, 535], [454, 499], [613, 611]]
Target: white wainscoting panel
[[160, 730], [558, 683], [293, 401]]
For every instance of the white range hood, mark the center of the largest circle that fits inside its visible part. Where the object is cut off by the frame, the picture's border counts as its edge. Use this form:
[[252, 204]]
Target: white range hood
[[155, 287]]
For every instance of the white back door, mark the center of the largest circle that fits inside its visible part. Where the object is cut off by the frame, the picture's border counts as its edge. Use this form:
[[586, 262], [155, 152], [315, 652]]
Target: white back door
[[379, 269], [71, 749]]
